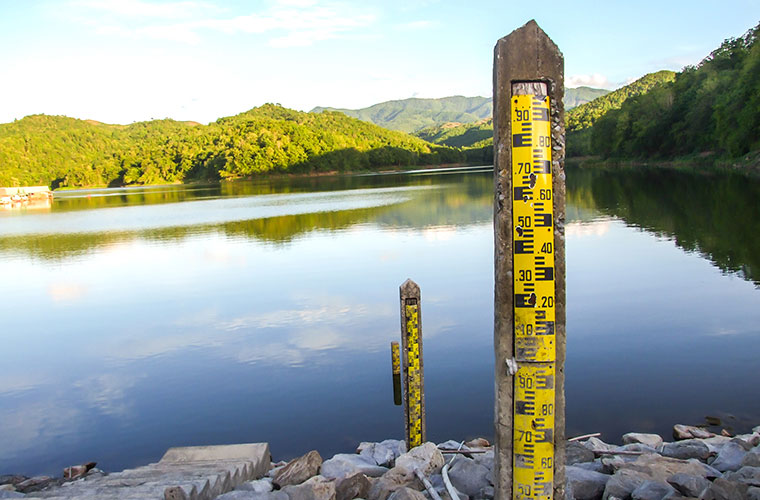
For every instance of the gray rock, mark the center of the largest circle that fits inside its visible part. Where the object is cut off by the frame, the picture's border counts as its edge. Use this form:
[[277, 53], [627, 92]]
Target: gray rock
[[753, 493], [651, 440], [653, 490], [426, 457], [576, 453], [298, 470], [752, 458], [316, 488], [12, 479], [11, 494], [747, 475], [730, 457], [356, 486], [637, 447], [404, 493], [688, 485], [452, 445], [623, 483], [477, 443], [257, 486], [585, 484], [750, 440], [468, 476], [722, 489], [392, 480], [383, 453], [252, 495], [595, 444], [345, 464], [595, 466], [714, 444], [681, 431], [485, 459], [487, 492], [34, 484], [684, 450]]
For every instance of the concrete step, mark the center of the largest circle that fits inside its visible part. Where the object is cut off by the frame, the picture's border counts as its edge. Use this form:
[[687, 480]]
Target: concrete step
[[192, 473]]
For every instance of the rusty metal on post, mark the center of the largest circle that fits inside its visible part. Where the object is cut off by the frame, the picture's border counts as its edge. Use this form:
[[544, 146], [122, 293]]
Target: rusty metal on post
[[396, 368], [411, 358], [528, 63]]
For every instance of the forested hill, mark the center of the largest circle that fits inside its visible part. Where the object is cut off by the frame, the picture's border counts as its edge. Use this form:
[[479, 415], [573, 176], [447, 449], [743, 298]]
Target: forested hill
[[66, 152], [584, 116], [411, 115], [713, 107]]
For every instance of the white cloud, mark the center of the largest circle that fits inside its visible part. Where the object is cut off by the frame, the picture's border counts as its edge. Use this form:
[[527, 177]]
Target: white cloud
[[291, 23], [143, 9], [596, 80]]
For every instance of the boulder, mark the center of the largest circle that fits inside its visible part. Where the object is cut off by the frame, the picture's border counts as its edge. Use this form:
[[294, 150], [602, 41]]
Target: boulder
[[637, 447], [34, 484], [753, 493], [652, 490], [714, 444], [752, 458], [404, 493], [468, 476], [348, 464], [488, 492], [485, 459], [12, 479], [477, 443], [662, 467], [651, 440], [316, 488], [426, 457], [681, 431], [383, 453], [356, 486], [686, 449], [623, 483], [252, 495], [257, 486], [595, 444], [730, 457], [595, 466], [298, 470], [585, 484], [688, 485], [722, 489], [576, 453], [392, 480], [747, 475], [11, 494]]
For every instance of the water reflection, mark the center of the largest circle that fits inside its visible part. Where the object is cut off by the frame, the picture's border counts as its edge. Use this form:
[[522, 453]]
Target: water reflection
[[714, 214], [214, 321]]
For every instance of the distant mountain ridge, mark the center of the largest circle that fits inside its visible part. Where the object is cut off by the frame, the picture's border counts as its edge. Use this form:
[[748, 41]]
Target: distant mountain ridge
[[411, 115]]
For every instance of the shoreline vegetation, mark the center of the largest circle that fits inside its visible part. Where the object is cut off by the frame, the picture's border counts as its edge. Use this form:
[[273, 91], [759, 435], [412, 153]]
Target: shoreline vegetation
[[697, 463]]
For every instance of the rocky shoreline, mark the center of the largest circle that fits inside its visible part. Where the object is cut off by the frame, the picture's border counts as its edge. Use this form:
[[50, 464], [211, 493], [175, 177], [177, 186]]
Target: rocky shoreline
[[696, 464]]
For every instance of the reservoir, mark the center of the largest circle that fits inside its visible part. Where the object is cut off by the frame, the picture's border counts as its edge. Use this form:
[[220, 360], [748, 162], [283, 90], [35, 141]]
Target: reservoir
[[136, 319]]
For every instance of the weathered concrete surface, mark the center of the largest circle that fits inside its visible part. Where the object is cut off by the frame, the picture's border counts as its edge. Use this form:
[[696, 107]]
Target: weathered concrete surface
[[527, 54], [195, 473]]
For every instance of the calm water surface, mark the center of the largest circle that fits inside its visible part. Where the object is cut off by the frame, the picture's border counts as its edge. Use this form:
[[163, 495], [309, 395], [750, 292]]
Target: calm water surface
[[133, 320]]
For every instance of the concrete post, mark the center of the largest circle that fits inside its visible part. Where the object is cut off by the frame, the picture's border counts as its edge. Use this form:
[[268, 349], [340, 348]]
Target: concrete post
[[527, 55], [411, 356]]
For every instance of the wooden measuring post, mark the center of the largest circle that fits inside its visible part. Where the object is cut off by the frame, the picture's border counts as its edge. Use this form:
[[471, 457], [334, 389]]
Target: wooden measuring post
[[414, 380], [529, 295], [396, 366]]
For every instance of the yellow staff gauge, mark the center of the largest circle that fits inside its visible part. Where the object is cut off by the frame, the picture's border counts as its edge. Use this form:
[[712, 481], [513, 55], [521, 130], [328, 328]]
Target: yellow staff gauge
[[534, 295]]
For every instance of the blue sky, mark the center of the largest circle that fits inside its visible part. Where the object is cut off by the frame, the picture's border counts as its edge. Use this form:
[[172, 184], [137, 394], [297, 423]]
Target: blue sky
[[120, 61]]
